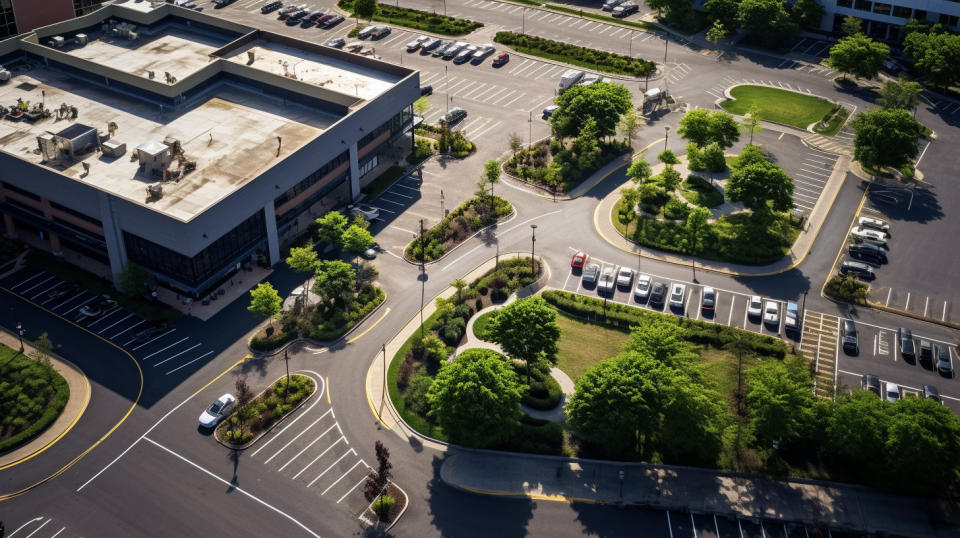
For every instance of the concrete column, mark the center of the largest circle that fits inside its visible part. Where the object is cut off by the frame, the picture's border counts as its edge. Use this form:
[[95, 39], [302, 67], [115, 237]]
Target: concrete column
[[354, 173], [273, 242], [9, 226], [112, 235]]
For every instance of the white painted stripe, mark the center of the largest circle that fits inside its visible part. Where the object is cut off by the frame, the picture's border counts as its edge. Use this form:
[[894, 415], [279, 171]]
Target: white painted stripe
[[128, 316], [349, 491], [152, 340], [137, 324], [345, 454], [305, 413], [166, 348], [304, 449], [314, 460], [312, 424], [337, 481], [177, 355], [184, 365]]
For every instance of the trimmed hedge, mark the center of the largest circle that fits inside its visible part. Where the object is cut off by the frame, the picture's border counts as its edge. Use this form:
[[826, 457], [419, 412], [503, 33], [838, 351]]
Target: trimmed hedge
[[53, 408], [420, 20], [572, 54], [340, 322], [698, 332], [272, 342], [456, 228]]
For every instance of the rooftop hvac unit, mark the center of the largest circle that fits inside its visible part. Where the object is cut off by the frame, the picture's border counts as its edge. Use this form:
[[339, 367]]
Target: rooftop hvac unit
[[155, 190], [4, 74], [48, 147], [57, 41], [114, 148], [154, 158], [81, 39]]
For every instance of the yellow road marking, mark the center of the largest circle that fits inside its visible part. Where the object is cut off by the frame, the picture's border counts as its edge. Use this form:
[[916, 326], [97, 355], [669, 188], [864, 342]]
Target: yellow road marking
[[223, 373], [373, 409], [368, 329], [863, 200], [535, 496], [781, 136], [133, 406], [329, 401]]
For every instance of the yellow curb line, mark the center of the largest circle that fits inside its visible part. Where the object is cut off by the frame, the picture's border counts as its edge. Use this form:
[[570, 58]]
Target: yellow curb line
[[83, 408], [133, 406], [596, 225], [534, 496], [373, 409], [863, 200], [368, 329], [329, 401], [223, 373]]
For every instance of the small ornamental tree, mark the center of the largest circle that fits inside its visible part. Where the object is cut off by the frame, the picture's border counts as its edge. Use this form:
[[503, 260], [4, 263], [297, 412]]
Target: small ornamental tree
[[357, 239], [331, 226], [244, 396], [639, 170], [377, 480], [264, 300]]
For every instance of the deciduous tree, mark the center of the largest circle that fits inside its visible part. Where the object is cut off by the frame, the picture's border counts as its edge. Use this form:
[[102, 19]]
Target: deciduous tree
[[331, 226], [885, 138], [377, 480], [630, 197], [604, 102], [780, 398], [807, 14], [697, 228], [900, 94], [476, 398], [639, 170], [357, 239], [859, 56], [134, 281], [333, 279], [936, 56], [527, 330], [264, 300], [767, 21], [629, 124], [704, 127], [761, 186], [365, 9], [851, 26]]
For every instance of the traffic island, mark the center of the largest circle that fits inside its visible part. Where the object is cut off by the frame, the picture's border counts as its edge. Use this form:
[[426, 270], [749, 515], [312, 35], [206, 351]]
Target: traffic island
[[256, 416], [386, 510]]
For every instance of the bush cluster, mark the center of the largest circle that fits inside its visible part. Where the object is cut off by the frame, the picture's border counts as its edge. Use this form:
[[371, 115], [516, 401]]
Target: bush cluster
[[456, 227], [699, 332], [330, 325], [700, 192], [266, 409], [544, 391], [423, 148], [847, 288], [32, 395], [421, 20], [559, 168], [273, 341], [576, 55]]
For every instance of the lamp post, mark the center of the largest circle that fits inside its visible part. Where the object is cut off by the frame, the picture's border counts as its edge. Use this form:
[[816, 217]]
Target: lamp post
[[20, 334], [444, 8], [446, 87], [523, 21], [530, 133], [631, 43], [533, 247], [441, 204], [666, 136], [666, 43], [383, 389]]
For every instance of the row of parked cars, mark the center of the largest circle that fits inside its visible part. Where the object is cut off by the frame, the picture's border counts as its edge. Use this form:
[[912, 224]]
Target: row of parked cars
[[620, 8], [459, 52], [293, 15], [869, 248], [894, 392]]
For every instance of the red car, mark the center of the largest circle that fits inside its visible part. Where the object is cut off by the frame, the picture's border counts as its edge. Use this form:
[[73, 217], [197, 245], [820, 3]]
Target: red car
[[501, 59], [579, 260]]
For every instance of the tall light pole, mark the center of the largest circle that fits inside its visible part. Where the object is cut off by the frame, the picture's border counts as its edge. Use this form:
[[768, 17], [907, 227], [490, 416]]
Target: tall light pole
[[523, 21], [631, 43], [446, 86], [441, 204], [666, 136], [444, 8], [530, 133], [20, 334], [533, 247], [383, 389], [666, 43]]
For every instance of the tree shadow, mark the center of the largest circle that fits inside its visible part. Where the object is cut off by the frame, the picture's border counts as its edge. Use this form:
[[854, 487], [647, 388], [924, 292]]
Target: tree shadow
[[234, 457], [447, 515]]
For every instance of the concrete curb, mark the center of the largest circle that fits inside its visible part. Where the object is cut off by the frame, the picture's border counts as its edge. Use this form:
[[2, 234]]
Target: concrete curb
[[248, 444], [508, 218]]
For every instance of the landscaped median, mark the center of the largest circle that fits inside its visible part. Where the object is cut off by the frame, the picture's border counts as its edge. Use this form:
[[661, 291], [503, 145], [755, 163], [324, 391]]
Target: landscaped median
[[607, 62], [256, 415], [468, 218], [790, 108], [32, 396], [418, 20]]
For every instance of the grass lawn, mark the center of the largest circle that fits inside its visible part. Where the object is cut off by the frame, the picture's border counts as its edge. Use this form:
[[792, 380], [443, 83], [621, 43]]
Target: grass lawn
[[781, 106], [32, 395], [699, 191], [583, 344], [480, 325], [832, 126], [720, 370]]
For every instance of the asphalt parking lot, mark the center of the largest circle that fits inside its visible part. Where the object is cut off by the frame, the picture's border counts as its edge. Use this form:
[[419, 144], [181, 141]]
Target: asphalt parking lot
[[158, 348], [815, 49]]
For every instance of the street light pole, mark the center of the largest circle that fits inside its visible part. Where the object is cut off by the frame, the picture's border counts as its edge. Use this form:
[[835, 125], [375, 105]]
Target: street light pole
[[444, 8], [530, 134], [666, 43], [533, 247], [20, 334], [446, 87], [383, 389], [441, 204], [523, 21], [666, 136], [631, 43]]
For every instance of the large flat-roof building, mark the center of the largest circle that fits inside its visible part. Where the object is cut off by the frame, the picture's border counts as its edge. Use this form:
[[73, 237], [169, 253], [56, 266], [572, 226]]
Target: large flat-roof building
[[184, 143], [885, 20]]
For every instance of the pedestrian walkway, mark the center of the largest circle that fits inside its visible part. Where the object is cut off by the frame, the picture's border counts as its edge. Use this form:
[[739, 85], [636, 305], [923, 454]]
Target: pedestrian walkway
[[603, 222], [76, 405], [695, 490]]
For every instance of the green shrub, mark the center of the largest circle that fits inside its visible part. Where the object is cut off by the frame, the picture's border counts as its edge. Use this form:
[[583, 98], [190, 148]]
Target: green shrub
[[272, 342], [699, 191], [576, 55], [354, 31], [457, 227], [846, 288], [333, 324], [675, 209], [544, 392], [415, 395], [382, 506], [423, 148], [32, 396], [421, 20]]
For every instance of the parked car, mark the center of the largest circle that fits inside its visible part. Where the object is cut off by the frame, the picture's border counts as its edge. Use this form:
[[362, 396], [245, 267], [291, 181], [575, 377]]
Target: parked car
[[755, 306], [569, 78], [337, 42], [442, 47], [791, 318], [353, 46], [607, 279], [589, 79], [868, 252], [97, 307], [271, 6], [482, 52], [642, 291], [322, 21], [380, 32], [868, 234], [217, 411], [454, 49], [608, 5], [907, 349], [944, 364], [893, 392], [417, 43], [285, 12], [931, 393], [857, 269], [678, 294], [590, 274], [455, 115], [426, 90], [886, 197], [60, 292], [430, 44], [501, 59], [771, 313], [708, 300], [848, 337], [366, 31], [870, 382], [624, 277], [313, 17], [295, 17], [369, 254], [625, 10], [465, 54], [548, 111], [332, 21], [926, 352], [657, 293], [876, 224], [579, 259], [368, 211]]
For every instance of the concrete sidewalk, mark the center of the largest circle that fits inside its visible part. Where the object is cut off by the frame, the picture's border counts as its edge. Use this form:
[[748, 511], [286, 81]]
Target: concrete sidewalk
[[840, 506], [603, 222]]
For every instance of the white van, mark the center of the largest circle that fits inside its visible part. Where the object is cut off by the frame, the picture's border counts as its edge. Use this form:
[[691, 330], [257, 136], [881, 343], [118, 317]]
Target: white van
[[569, 78]]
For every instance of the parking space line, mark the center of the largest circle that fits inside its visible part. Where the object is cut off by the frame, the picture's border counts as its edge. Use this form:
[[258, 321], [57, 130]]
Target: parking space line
[[355, 486], [312, 424], [314, 460], [184, 365], [137, 324], [42, 282], [128, 316], [105, 316], [730, 315], [39, 293], [345, 454], [80, 305], [166, 348], [177, 355], [152, 340], [341, 476], [943, 317], [304, 449], [25, 281], [68, 300]]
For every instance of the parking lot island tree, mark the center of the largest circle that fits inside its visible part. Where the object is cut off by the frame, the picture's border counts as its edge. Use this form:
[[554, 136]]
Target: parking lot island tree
[[704, 127], [900, 93], [476, 398], [885, 137], [365, 9], [780, 399], [766, 22], [335, 281], [697, 226], [603, 102], [330, 227], [858, 55], [303, 260], [935, 54], [639, 170], [377, 479], [851, 26], [629, 125], [763, 187], [357, 239], [264, 300], [527, 330], [631, 197]]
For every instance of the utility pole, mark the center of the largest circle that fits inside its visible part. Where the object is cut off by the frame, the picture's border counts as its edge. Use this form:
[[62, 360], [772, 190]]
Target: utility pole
[[530, 134], [441, 204], [666, 43], [523, 21], [533, 248], [20, 334], [666, 136], [383, 389], [423, 277], [631, 46], [286, 362]]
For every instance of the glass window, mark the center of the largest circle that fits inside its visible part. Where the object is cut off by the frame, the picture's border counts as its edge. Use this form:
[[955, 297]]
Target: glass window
[[882, 9], [18, 190], [74, 212], [844, 3], [920, 14], [862, 5], [901, 11], [948, 20], [369, 164], [310, 180]]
